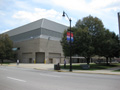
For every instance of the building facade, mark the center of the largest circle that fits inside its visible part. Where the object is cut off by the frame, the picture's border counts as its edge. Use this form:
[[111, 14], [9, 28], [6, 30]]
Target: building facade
[[38, 41]]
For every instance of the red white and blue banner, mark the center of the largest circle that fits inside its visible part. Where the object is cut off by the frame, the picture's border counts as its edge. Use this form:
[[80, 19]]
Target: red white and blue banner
[[68, 36]]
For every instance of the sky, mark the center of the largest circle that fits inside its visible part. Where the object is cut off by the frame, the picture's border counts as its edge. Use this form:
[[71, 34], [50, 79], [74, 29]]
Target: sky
[[15, 13]]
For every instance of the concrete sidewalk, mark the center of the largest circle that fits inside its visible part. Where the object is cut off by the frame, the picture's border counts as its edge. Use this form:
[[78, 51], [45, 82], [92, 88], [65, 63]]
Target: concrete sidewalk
[[98, 72], [34, 66], [50, 67]]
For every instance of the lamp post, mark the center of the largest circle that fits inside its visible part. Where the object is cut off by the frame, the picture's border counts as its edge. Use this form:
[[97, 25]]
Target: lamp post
[[70, 39], [119, 29], [119, 23]]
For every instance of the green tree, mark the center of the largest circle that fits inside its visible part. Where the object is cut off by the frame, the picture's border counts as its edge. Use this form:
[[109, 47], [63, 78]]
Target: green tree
[[83, 43], [91, 38], [105, 42], [109, 45], [93, 24], [116, 45], [6, 46], [95, 28]]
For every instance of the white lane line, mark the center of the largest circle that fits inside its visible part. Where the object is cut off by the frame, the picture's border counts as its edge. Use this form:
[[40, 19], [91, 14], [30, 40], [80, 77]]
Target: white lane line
[[16, 79], [49, 75]]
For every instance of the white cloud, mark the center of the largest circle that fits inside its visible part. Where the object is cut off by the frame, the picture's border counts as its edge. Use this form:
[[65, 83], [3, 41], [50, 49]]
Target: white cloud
[[37, 14], [94, 6], [25, 11]]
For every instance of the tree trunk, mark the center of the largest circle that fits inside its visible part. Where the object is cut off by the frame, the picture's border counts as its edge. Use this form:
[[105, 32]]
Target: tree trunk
[[78, 60], [88, 60], [1, 61], [107, 61], [110, 60]]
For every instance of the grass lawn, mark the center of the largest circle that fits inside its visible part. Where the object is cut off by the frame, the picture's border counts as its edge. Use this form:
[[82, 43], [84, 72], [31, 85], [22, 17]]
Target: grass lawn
[[5, 63], [117, 64], [92, 66], [117, 70]]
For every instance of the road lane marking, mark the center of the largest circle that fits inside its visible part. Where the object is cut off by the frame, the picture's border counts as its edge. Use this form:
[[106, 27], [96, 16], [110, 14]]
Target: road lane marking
[[49, 75], [16, 79]]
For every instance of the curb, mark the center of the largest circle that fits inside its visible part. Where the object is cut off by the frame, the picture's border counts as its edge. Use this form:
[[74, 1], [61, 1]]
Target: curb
[[92, 73], [98, 73], [79, 72]]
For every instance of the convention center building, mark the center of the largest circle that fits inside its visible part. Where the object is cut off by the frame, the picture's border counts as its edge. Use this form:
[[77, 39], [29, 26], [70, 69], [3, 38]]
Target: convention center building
[[38, 41]]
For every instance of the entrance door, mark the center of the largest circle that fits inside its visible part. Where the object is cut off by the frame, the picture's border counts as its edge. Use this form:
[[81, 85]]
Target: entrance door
[[26, 57], [54, 57], [40, 57], [50, 60]]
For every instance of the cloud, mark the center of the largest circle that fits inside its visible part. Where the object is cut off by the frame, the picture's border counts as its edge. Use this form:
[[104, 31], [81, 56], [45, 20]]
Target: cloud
[[21, 12], [93, 6], [38, 13]]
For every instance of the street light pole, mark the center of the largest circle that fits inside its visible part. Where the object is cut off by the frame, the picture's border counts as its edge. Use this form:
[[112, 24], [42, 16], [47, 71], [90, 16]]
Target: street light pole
[[70, 39], [119, 28], [119, 23]]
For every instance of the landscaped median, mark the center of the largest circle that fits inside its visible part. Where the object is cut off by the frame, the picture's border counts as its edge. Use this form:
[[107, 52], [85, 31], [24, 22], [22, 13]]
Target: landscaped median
[[94, 69], [117, 70], [92, 66]]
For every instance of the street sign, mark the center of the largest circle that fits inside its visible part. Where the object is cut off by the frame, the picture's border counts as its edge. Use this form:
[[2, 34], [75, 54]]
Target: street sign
[[68, 36], [15, 49]]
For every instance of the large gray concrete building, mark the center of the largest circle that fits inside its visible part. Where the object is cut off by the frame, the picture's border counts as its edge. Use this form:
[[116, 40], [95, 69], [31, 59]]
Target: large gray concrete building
[[38, 41]]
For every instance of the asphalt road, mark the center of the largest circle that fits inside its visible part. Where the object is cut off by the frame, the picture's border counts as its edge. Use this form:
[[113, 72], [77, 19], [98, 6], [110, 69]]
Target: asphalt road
[[15, 78]]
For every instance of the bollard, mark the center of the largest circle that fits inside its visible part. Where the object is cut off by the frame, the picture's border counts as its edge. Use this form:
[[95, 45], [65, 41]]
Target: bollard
[[44, 61], [34, 61]]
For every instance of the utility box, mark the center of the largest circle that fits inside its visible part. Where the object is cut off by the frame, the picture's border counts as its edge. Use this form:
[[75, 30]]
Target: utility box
[[56, 67], [85, 67]]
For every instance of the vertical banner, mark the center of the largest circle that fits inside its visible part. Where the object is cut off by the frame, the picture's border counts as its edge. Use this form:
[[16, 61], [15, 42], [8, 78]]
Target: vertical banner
[[68, 36]]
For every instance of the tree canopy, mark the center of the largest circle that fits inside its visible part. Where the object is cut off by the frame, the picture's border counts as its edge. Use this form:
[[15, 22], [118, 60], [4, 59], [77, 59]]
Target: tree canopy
[[91, 38], [6, 46]]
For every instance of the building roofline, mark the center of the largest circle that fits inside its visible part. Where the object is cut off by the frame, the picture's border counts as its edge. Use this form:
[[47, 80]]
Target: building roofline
[[41, 23]]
